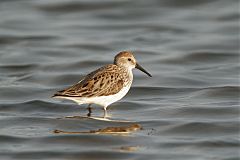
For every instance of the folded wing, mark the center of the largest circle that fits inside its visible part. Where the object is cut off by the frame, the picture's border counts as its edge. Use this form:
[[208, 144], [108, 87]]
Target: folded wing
[[102, 82]]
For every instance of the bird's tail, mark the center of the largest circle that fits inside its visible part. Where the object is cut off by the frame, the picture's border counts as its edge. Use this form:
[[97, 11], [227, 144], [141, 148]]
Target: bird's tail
[[58, 94]]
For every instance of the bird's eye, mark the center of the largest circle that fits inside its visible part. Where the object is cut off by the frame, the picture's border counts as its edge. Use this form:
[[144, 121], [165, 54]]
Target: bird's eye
[[129, 59]]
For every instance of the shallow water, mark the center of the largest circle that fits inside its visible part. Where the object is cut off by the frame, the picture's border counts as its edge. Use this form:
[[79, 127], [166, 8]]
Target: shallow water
[[189, 109]]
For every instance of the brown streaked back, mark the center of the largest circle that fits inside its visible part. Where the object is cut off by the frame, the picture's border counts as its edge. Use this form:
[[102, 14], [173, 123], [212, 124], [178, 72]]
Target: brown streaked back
[[107, 80]]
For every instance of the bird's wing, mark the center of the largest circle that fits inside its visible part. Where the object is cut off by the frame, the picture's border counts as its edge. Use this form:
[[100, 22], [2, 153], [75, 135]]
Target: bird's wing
[[102, 82]]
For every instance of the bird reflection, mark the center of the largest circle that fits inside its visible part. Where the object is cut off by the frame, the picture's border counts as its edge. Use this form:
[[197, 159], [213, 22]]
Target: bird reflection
[[108, 130]]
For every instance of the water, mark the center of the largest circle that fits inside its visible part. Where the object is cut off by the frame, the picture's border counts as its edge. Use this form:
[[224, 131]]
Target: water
[[188, 110]]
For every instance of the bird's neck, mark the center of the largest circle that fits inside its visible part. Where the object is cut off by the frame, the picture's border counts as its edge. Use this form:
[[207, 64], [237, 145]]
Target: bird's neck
[[128, 75]]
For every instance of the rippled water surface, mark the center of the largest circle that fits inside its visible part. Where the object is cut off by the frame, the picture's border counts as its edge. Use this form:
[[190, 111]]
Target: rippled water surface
[[188, 110]]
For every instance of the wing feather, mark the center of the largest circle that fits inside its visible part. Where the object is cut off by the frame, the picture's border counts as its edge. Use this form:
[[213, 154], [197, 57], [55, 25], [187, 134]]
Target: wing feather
[[102, 82]]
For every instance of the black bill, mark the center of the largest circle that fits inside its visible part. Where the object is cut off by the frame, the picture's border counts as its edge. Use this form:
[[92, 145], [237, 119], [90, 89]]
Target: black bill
[[143, 70]]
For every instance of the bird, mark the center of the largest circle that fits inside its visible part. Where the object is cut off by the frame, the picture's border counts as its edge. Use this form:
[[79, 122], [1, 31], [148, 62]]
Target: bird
[[105, 85]]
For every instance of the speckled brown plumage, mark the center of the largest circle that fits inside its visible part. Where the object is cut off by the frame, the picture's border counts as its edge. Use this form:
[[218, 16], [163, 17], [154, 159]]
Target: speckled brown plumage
[[105, 81]]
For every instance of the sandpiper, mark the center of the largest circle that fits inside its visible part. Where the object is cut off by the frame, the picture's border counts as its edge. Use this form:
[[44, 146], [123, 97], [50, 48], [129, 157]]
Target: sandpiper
[[105, 85]]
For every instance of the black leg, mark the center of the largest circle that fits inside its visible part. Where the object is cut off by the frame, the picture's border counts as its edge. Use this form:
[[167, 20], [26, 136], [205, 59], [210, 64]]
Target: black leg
[[89, 110]]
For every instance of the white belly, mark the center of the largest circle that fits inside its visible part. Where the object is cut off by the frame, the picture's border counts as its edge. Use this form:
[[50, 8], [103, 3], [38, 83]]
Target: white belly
[[103, 100]]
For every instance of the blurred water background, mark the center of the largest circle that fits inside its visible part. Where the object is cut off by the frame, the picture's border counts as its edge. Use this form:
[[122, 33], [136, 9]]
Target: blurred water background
[[188, 110]]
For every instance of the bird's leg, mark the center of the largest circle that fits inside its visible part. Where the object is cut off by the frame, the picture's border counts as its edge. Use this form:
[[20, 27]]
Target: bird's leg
[[89, 110], [105, 112]]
